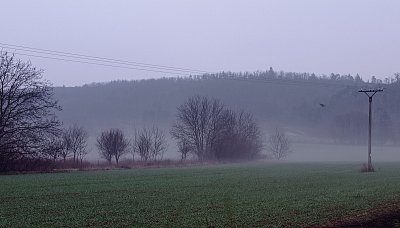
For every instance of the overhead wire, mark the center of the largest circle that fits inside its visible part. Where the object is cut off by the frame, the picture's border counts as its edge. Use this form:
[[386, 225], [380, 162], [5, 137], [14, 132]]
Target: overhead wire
[[101, 64], [117, 63], [98, 59]]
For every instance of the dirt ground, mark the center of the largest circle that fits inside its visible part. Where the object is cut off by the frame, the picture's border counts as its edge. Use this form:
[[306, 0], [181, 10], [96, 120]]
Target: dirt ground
[[385, 215]]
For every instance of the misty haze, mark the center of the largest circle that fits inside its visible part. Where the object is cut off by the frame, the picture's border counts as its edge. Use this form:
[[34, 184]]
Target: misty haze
[[200, 114]]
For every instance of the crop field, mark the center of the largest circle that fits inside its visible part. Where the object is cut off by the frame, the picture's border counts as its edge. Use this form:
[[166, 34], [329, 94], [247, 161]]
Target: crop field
[[248, 194]]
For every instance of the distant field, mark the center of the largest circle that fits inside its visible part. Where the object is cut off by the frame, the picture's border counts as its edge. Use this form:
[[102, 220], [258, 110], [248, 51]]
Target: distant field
[[251, 194]]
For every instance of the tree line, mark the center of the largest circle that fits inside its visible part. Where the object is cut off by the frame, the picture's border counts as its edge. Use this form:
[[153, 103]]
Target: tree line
[[204, 128], [314, 105]]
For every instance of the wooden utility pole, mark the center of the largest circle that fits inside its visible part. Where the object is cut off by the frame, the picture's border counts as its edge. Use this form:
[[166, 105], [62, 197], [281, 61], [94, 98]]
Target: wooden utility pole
[[370, 93]]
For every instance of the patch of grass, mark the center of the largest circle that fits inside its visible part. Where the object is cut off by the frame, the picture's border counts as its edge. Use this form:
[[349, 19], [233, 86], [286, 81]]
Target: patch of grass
[[250, 194]]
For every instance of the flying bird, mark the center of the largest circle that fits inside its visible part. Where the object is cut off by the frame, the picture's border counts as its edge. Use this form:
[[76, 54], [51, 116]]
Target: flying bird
[[322, 105]]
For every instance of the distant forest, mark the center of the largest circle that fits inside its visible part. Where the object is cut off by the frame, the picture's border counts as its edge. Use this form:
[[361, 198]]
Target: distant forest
[[308, 107]]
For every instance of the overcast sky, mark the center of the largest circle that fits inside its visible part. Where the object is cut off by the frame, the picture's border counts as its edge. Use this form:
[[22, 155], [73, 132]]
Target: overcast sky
[[321, 36]]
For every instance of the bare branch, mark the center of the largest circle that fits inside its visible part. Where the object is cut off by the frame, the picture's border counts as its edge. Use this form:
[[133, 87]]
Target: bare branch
[[279, 144], [27, 109]]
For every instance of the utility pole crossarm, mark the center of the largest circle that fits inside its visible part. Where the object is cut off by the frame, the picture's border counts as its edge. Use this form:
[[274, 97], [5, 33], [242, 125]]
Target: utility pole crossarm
[[370, 90]]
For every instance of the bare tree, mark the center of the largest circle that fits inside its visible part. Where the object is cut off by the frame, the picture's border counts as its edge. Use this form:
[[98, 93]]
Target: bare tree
[[150, 144], [184, 149], [54, 148], [279, 144], [76, 141], [112, 143], [242, 138], [65, 140], [159, 143], [27, 109], [104, 145], [207, 129], [121, 144], [198, 124], [397, 77], [82, 152], [142, 144], [132, 151]]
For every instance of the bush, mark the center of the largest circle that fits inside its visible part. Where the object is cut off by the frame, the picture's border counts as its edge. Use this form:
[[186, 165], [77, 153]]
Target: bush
[[27, 165]]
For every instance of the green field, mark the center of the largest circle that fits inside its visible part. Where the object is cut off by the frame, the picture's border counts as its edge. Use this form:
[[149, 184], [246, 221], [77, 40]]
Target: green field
[[249, 194]]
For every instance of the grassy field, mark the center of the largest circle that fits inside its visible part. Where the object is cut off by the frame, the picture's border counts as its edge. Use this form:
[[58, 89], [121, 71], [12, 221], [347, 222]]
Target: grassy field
[[250, 194]]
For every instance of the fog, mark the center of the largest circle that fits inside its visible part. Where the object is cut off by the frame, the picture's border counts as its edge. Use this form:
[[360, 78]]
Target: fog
[[309, 152], [340, 36], [200, 113], [96, 54], [325, 118]]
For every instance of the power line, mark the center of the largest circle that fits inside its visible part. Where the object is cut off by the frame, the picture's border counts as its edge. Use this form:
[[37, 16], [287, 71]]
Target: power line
[[99, 59], [99, 64], [116, 63], [251, 80], [90, 59]]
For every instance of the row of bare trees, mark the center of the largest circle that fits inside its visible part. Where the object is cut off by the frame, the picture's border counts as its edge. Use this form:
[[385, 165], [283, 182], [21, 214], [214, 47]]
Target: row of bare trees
[[71, 143], [149, 144]]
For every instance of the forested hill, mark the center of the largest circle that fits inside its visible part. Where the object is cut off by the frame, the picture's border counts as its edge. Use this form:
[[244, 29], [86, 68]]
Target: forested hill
[[301, 102]]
